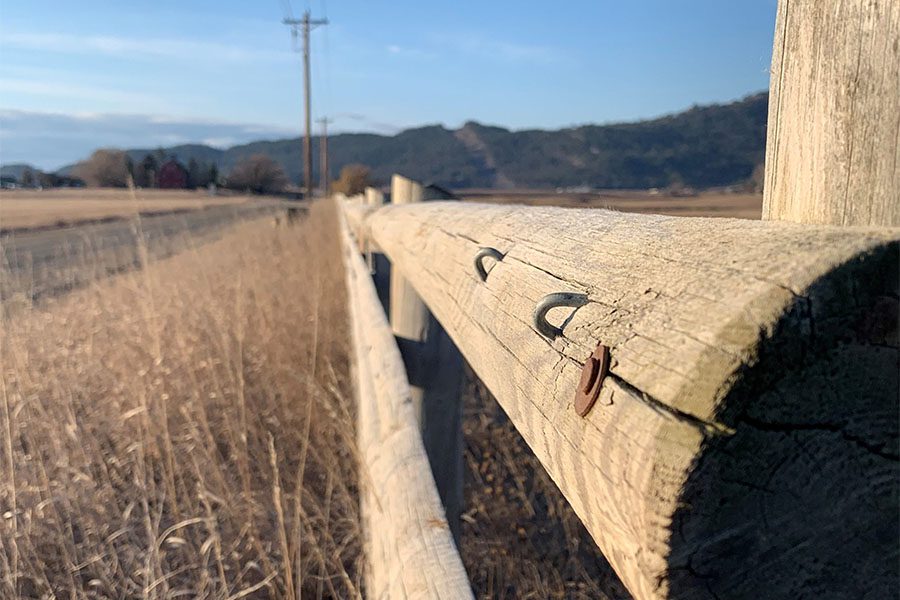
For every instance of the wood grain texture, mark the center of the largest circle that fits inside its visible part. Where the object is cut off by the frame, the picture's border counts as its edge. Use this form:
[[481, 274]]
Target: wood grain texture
[[833, 148], [745, 443], [409, 548]]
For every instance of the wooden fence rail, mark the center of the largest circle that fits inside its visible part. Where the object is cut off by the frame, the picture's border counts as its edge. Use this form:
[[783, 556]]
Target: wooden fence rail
[[408, 544], [744, 442]]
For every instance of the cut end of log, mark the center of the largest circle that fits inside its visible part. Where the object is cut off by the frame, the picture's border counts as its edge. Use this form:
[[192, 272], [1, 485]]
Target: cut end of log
[[802, 498]]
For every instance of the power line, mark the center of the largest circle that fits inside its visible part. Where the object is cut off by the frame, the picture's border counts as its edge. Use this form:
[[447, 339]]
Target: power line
[[304, 26]]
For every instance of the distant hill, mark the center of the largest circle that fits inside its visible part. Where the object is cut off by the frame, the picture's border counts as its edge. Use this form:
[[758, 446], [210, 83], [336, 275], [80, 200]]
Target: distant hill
[[704, 146]]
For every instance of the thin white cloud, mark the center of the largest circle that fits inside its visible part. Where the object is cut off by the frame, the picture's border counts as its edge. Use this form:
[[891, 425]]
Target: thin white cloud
[[78, 116], [68, 90], [171, 139], [153, 121], [138, 48], [370, 124], [404, 51], [494, 49], [220, 142]]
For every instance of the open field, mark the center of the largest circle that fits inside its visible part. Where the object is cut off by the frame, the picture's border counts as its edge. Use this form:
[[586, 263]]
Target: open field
[[20, 209], [705, 204], [38, 262]]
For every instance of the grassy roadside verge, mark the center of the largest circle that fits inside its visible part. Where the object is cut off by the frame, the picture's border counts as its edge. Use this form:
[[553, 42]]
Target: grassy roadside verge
[[185, 428]]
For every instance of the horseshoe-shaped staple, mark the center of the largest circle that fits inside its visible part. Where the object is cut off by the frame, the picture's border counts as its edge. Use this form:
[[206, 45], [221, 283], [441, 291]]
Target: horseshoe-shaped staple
[[479, 260], [539, 317]]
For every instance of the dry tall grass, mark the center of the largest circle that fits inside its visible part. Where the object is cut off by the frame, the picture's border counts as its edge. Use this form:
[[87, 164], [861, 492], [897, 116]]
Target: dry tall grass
[[185, 430]]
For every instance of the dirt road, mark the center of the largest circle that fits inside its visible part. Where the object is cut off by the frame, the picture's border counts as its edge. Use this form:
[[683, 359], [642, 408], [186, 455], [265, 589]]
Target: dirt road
[[44, 262]]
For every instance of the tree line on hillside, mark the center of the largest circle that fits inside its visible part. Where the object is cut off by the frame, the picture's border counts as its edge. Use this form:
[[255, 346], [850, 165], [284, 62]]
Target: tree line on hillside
[[114, 168], [257, 173], [145, 172]]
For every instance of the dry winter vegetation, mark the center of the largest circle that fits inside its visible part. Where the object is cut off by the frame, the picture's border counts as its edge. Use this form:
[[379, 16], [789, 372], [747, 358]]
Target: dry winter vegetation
[[57, 207], [186, 430]]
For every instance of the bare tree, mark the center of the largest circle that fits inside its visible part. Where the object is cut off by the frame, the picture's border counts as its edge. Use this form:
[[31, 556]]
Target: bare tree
[[353, 180], [258, 174], [105, 168]]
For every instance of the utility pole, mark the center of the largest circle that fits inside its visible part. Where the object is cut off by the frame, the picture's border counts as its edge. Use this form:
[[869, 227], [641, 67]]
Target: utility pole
[[323, 158], [305, 25]]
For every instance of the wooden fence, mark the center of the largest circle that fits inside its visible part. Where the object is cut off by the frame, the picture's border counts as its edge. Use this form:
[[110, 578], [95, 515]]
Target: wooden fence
[[716, 398], [408, 540]]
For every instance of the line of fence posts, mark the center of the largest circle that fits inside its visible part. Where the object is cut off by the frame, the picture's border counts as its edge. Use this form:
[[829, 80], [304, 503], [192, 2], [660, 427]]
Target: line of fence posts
[[434, 365]]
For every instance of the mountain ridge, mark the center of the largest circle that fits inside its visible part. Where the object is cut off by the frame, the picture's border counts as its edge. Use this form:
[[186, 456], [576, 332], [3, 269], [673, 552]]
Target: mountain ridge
[[704, 146]]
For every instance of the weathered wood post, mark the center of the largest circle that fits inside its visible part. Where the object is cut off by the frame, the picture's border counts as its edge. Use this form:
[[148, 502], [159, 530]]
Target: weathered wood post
[[832, 155], [374, 197], [435, 370]]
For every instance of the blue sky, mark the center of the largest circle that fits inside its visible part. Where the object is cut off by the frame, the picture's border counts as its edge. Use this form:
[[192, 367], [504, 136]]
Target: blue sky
[[77, 75]]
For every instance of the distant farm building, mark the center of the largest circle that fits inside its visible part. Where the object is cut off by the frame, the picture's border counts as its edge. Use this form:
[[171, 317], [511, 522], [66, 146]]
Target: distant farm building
[[172, 175]]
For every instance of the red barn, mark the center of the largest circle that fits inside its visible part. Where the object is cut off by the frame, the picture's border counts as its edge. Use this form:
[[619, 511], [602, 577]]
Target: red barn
[[172, 175]]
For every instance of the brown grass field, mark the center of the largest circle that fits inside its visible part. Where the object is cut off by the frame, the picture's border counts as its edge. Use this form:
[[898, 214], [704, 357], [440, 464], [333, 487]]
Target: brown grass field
[[704, 204], [186, 430], [20, 209]]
